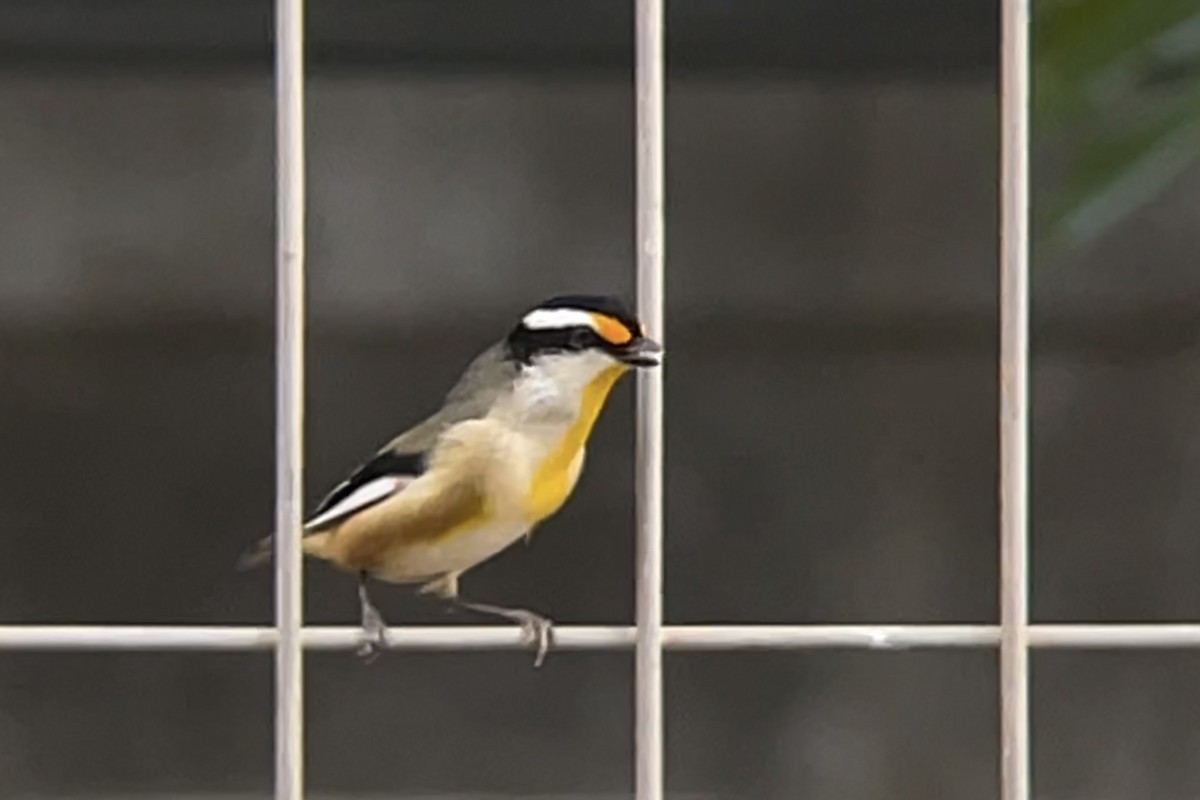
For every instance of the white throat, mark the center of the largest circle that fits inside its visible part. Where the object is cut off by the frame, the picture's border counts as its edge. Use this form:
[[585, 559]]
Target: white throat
[[550, 390]]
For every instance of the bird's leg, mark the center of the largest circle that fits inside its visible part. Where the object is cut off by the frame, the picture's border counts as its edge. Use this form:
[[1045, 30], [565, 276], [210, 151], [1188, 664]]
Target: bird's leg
[[373, 626], [538, 630]]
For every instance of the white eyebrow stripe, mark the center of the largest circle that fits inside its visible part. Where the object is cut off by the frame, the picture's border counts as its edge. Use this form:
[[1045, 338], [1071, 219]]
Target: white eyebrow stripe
[[543, 318]]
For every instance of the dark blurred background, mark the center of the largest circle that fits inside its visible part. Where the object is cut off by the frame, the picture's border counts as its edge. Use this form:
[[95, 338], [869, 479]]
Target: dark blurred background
[[830, 393]]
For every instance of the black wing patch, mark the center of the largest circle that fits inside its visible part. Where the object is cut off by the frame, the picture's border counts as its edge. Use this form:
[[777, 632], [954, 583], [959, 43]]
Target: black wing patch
[[383, 465]]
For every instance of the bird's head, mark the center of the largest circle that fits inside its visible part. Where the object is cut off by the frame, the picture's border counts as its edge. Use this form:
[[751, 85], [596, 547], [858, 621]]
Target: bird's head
[[582, 332]]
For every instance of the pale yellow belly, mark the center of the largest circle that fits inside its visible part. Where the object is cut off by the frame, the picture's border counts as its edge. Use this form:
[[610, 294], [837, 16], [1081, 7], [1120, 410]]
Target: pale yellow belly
[[457, 552], [521, 492]]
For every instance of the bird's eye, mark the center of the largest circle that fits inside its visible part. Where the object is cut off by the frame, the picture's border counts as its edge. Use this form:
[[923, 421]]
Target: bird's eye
[[580, 339]]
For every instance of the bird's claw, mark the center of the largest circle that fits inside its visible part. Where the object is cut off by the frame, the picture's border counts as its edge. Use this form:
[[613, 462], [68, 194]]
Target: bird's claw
[[535, 629], [539, 631], [374, 636]]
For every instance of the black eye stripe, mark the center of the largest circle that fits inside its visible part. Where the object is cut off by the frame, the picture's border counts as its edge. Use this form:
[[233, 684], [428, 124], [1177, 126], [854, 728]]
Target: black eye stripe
[[525, 343], [580, 338], [565, 338]]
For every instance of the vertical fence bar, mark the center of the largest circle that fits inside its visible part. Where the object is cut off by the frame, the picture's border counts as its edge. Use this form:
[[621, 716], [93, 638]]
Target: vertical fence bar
[[649, 470], [289, 387], [1014, 400]]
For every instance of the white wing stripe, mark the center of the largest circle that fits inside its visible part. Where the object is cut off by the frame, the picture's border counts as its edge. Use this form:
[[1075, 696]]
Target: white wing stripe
[[361, 497]]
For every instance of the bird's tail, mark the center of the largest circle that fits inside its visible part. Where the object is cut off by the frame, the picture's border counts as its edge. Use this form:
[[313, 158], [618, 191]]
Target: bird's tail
[[261, 552]]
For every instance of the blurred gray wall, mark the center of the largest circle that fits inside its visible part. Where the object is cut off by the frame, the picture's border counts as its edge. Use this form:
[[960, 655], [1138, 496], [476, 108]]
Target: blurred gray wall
[[831, 435]]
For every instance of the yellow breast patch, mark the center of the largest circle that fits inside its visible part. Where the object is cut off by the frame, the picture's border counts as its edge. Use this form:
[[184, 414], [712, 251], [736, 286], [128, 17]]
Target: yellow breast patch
[[554, 479]]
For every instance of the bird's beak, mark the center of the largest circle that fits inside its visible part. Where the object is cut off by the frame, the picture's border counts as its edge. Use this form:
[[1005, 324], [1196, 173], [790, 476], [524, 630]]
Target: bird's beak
[[642, 352]]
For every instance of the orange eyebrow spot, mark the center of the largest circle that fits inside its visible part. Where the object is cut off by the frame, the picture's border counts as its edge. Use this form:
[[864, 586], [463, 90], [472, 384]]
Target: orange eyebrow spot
[[611, 330]]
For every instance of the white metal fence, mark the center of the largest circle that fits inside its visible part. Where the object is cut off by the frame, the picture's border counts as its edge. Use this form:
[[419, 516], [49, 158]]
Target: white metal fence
[[289, 638]]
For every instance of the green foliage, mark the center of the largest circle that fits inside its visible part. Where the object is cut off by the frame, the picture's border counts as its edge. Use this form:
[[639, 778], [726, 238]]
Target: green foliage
[[1117, 82]]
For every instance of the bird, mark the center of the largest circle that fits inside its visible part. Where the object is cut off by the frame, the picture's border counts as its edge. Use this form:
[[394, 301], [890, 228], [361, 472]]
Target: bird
[[502, 455]]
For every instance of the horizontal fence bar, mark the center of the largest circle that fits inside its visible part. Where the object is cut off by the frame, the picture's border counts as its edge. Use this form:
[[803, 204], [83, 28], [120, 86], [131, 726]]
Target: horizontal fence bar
[[584, 637]]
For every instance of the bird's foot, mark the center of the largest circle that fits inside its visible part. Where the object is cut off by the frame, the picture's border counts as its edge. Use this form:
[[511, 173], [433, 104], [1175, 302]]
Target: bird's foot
[[536, 630], [374, 631]]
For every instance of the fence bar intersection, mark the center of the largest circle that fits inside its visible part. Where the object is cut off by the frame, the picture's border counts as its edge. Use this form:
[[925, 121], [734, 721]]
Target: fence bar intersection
[[289, 387]]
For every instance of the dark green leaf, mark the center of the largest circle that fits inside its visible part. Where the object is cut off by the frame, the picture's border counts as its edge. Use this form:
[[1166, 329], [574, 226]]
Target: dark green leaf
[[1078, 37], [1120, 172], [1084, 47]]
